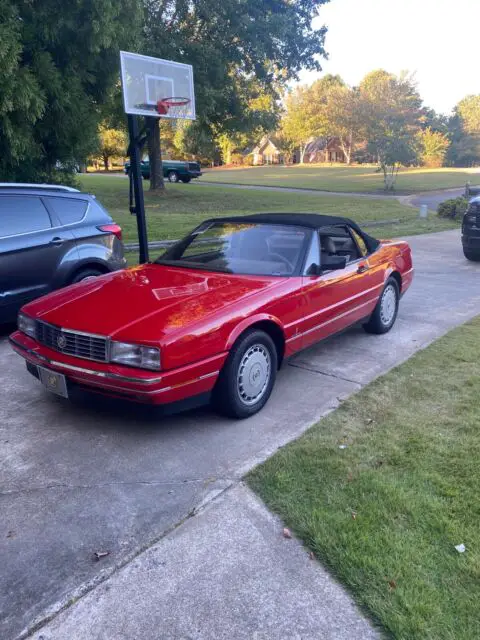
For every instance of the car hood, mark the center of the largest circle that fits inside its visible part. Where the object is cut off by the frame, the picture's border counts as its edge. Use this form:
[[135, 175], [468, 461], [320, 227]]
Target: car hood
[[146, 302]]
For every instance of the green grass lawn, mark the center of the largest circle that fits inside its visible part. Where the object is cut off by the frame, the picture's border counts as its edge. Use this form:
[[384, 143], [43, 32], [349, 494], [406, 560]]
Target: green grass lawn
[[342, 178], [182, 207], [384, 514]]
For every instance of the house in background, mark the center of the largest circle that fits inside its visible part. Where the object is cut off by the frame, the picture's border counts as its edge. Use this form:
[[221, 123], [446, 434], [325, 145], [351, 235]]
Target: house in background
[[267, 152], [322, 150], [318, 150]]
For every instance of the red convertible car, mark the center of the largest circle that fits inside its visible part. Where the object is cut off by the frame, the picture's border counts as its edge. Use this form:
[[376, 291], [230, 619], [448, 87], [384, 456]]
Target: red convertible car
[[216, 315]]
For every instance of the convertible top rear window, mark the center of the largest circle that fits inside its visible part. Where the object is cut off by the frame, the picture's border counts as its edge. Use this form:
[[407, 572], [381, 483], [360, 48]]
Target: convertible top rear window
[[246, 248]]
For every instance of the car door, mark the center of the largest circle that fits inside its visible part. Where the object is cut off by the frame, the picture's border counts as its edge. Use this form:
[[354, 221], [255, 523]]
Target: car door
[[30, 249], [338, 298]]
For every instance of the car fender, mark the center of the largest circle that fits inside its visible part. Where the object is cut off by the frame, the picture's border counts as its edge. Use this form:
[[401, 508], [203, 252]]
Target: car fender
[[73, 267], [245, 324]]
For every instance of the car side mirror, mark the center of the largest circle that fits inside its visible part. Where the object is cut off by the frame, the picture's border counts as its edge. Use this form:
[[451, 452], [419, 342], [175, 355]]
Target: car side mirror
[[314, 270], [332, 263]]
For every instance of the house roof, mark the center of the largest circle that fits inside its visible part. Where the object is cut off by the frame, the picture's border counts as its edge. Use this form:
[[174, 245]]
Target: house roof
[[263, 142], [317, 144]]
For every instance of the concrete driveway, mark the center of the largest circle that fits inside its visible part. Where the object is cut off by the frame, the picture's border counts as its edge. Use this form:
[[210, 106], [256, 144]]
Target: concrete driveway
[[87, 476]]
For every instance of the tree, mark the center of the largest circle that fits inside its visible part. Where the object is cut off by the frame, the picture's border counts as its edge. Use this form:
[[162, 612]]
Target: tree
[[433, 147], [468, 110], [298, 127], [391, 113], [113, 143], [464, 132], [343, 117], [59, 62], [231, 44]]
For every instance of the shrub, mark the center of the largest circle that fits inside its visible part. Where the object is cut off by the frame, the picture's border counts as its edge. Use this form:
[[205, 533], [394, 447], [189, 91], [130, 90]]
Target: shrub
[[236, 158], [452, 208], [248, 160]]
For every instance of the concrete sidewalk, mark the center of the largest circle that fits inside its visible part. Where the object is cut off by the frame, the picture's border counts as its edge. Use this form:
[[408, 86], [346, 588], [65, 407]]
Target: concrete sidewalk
[[226, 574]]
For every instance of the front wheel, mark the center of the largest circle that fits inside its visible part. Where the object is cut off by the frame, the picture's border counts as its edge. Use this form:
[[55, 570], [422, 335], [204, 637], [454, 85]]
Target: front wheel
[[173, 176], [471, 254], [84, 274], [385, 313], [186, 179], [247, 378]]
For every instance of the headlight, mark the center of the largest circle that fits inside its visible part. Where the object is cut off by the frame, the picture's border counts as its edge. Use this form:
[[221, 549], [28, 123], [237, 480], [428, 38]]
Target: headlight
[[26, 325], [135, 355]]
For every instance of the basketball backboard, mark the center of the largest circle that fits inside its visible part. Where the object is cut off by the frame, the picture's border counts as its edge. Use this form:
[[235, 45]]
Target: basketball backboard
[[156, 87]]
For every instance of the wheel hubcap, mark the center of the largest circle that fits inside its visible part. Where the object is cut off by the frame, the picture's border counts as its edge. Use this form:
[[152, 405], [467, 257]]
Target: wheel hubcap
[[388, 306], [254, 374]]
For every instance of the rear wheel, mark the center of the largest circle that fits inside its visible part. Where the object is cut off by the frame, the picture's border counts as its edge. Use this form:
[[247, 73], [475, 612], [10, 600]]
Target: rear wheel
[[385, 313], [173, 176], [247, 378], [471, 254], [84, 274]]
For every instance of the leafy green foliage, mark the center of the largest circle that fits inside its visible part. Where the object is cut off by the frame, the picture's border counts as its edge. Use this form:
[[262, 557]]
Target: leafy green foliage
[[433, 147], [464, 127], [453, 208], [59, 62], [391, 116], [112, 142], [243, 52]]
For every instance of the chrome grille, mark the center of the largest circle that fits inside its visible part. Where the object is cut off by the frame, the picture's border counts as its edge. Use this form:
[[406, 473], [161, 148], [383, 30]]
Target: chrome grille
[[72, 343]]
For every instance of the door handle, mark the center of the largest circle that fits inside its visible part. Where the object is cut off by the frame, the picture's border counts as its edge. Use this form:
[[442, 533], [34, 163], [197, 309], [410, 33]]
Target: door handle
[[362, 268], [57, 240]]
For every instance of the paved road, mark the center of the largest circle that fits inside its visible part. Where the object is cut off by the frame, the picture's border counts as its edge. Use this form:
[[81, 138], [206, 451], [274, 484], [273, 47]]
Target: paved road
[[94, 476], [434, 198]]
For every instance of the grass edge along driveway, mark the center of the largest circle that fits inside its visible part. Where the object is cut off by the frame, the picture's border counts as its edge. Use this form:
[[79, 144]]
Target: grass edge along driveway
[[383, 489]]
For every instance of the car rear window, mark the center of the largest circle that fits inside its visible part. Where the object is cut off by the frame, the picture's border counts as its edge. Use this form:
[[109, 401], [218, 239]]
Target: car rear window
[[67, 210], [22, 214]]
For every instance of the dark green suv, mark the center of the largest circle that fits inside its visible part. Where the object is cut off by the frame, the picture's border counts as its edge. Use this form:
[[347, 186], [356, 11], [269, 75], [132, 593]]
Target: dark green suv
[[173, 170], [471, 230]]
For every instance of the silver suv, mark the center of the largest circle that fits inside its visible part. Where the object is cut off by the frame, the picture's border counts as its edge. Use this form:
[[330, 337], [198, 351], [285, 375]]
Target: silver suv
[[51, 236]]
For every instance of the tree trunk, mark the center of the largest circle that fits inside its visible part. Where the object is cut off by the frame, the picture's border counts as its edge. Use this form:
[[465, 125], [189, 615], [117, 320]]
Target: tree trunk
[[105, 162], [155, 155], [302, 154]]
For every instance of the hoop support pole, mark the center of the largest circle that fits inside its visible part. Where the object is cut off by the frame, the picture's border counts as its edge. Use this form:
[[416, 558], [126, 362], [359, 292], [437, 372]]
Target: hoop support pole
[[135, 151]]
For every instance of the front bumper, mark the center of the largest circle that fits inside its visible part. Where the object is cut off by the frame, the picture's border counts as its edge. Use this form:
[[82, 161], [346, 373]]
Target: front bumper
[[471, 240], [137, 385]]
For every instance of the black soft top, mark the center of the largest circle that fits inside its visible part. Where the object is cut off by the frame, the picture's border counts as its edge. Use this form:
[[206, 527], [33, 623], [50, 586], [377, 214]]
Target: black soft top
[[309, 220]]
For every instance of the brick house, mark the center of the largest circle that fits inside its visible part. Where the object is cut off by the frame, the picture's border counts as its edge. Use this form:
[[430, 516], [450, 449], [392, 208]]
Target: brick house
[[267, 152], [322, 150]]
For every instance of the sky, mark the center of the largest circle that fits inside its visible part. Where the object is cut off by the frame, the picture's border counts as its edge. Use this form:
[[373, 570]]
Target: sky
[[439, 40]]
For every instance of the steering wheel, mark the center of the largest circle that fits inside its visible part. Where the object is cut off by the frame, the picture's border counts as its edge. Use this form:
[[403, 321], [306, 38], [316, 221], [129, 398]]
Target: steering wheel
[[283, 259]]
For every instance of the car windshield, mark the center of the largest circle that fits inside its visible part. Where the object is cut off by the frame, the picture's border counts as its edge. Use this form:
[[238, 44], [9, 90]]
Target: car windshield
[[241, 248]]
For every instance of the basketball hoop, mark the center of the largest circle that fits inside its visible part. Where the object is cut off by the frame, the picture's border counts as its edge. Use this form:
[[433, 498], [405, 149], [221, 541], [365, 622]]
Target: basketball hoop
[[165, 104]]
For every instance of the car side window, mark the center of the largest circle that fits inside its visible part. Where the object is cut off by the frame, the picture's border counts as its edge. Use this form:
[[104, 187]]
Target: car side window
[[337, 241], [22, 214], [67, 210], [360, 242]]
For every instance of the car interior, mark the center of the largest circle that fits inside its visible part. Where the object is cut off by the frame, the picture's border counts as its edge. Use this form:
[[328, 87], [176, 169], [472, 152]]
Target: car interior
[[337, 241]]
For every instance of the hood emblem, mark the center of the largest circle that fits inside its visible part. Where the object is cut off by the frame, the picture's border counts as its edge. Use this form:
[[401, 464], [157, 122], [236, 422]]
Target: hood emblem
[[61, 342]]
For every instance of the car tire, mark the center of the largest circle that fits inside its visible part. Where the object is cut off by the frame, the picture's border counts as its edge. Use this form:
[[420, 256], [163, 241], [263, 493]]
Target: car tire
[[173, 176], [84, 274], [471, 254], [385, 313], [186, 180], [248, 376]]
